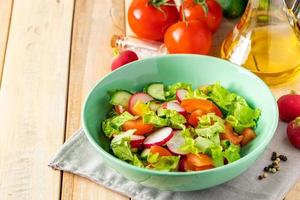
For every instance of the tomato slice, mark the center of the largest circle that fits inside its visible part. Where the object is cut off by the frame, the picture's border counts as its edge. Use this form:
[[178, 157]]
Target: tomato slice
[[203, 168], [199, 160], [160, 150], [230, 135], [194, 117], [139, 125], [249, 134], [190, 105]]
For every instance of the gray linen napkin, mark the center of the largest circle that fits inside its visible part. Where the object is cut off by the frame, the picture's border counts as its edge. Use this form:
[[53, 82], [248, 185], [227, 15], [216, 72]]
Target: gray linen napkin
[[79, 157]]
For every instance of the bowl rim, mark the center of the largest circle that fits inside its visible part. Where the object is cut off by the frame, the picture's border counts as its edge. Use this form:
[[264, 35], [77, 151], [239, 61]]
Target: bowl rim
[[124, 164]]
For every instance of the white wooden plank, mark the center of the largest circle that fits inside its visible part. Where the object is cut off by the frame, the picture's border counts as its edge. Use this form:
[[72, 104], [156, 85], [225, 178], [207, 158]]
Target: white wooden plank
[[33, 98], [94, 24]]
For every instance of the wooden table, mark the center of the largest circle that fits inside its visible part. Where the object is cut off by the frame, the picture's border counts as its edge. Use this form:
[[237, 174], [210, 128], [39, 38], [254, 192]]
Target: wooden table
[[51, 53]]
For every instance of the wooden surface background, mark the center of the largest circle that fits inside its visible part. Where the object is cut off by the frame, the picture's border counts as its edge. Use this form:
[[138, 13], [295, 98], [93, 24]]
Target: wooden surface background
[[51, 53]]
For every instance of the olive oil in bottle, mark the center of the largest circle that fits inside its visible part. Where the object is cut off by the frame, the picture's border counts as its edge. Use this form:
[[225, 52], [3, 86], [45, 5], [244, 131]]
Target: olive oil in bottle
[[265, 43]]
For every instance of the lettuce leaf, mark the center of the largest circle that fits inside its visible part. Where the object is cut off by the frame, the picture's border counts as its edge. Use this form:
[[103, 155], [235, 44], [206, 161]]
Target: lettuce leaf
[[189, 145], [109, 129], [225, 144], [203, 144], [196, 94], [152, 118], [242, 116], [113, 125], [121, 148], [217, 155], [152, 158], [171, 89], [175, 120], [137, 162], [238, 113], [232, 153], [163, 163], [221, 96], [206, 130], [208, 119]]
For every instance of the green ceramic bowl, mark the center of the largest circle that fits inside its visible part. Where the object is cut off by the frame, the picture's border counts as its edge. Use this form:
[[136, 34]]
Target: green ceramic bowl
[[197, 70]]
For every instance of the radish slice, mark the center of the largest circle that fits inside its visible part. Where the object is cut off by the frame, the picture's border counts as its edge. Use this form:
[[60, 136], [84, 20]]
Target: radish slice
[[142, 97], [181, 94], [175, 101], [159, 137], [175, 143], [173, 106], [182, 164], [120, 136], [136, 141]]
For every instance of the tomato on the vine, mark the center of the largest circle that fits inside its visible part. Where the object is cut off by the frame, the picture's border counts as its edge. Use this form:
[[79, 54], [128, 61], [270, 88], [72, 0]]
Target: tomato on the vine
[[208, 11], [149, 19], [188, 37]]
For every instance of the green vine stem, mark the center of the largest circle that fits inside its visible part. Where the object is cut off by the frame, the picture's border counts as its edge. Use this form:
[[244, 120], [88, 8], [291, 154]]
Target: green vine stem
[[158, 3], [297, 121], [203, 4]]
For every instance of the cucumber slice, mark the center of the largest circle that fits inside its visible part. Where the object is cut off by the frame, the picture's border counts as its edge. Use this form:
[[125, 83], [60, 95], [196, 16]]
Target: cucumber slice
[[156, 90], [145, 154], [120, 97]]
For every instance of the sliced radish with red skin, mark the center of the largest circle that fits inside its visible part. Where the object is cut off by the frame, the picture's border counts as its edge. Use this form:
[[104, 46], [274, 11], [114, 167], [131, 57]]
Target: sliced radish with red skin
[[181, 94], [136, 141], [141, 97], [120, 136], [182, 166], [173, 106], [174, 101], [124, 58], [176, 142], [159, 137]]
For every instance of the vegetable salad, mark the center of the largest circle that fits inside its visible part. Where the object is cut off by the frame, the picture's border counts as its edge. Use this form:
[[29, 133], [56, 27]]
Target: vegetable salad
[[178, 128]]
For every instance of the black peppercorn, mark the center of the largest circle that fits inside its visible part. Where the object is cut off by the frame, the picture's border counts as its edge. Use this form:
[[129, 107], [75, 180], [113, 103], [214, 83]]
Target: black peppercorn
[[270, 166], [274, 156], [283, 157], [260, 177], [266, 169]]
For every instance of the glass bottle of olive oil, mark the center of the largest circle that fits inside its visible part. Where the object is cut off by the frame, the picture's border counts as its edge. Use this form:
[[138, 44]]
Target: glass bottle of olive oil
[[266, 41]]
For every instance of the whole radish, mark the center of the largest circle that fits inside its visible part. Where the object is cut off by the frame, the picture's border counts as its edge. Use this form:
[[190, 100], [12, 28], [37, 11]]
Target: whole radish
[[293, 132], [289, 107], [124, 58]]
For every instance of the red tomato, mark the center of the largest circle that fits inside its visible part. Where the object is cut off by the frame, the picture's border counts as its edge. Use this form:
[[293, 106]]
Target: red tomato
[[197, 162], [139, 125], [190, 105], [188, 37], [148, 19], [195, 10], [194, 117], [230, 135], [160, 150], [248, 135]]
